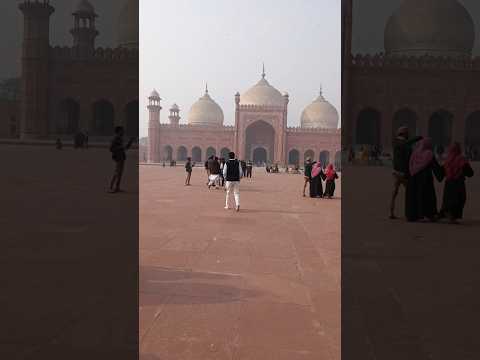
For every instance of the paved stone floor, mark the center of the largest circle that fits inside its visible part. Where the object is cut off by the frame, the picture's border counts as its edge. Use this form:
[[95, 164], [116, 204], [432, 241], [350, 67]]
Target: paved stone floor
[[68, 255], [409, 290], [260, 284]]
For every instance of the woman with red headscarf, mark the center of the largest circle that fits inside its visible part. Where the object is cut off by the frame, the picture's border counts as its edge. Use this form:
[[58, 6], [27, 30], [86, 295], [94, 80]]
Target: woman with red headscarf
[[316, 188], [456, 168], [330, 175], [420, 198]]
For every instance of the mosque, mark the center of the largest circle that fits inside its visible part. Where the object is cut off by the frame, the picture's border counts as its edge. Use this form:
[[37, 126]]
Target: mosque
[[260, 132], [80, 87], [427, 78]]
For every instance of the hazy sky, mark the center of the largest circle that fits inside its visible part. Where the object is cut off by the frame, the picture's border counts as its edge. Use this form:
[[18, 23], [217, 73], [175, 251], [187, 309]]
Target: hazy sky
[[370, 18], [185, 43], [11, 20]]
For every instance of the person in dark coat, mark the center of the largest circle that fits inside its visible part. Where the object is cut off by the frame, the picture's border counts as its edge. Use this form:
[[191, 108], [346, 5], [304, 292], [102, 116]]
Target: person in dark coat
[[188, 169], [456, 168], [330, 176], [402, 150], [316, 188], [421, 201], [307, 176], [118, 150]]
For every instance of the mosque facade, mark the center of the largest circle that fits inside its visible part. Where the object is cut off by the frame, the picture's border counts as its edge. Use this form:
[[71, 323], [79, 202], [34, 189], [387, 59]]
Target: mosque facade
[[260, 132], [426, 78], [81, 87]]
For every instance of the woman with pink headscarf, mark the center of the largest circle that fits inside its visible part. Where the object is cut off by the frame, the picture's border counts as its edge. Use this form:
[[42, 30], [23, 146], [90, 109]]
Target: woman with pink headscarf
[[456, 168], [330, 175], [420, 200]]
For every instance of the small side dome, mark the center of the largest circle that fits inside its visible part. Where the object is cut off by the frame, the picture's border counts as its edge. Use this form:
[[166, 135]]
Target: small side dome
[[84, 7], [154, 95], [205, 112], [320, 114]]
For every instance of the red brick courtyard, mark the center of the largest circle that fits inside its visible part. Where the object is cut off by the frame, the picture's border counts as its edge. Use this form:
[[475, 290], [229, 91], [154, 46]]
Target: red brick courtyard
[[263, 283]]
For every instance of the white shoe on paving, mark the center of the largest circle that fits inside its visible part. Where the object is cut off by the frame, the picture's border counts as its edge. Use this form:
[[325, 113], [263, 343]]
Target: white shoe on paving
[[226, 207]]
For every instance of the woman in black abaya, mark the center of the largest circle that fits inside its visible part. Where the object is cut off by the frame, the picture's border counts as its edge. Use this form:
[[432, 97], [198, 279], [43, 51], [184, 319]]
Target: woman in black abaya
[[456, 168], [420, 198]]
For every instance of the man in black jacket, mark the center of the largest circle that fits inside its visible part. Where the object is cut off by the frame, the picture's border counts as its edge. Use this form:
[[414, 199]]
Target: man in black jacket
[[232, 171], [307, 176], [402, 150], [119, 155]]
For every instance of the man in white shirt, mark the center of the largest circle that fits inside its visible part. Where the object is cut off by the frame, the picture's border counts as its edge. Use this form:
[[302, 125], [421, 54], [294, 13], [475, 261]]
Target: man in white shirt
[[232, 172]]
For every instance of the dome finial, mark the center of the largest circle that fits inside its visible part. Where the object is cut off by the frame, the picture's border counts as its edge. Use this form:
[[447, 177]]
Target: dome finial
[[206, 88], [263, 71], [321, 90]]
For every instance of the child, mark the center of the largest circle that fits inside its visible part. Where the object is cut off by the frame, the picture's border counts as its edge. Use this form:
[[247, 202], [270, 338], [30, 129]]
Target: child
[[330, 175]]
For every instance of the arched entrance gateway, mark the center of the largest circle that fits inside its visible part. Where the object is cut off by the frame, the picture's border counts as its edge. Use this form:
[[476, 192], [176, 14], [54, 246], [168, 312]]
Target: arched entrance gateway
[[182, 153], [224, 153], [368, 127], [260, 142], [211, 152], [404, 117], [472, 135], [259, 156], [167, 153], [197, 154], [294, 157], [440, 129], [309, 154]]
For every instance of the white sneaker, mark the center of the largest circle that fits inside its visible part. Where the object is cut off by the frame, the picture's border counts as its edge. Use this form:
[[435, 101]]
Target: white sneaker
[[226, 208]]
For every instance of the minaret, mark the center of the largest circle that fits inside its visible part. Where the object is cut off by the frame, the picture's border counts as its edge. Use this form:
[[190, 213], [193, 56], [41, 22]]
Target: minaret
[[154, 127], [174, 115], [84, 31], [35, 59]]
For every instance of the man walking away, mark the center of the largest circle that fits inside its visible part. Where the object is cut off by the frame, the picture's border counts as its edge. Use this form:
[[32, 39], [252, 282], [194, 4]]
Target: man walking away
[[188, 169], [119, 155], [249, 168], [232, 172], [402, 150]]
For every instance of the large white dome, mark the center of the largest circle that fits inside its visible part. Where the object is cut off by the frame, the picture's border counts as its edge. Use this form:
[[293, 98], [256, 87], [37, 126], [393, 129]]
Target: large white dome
[[205, 112], [128, 25], [262, 93], [433, 27], [320, 114]]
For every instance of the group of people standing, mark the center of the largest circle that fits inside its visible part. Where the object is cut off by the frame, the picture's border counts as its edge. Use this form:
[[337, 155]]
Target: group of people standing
[[222, 173], [314, 175], [415, 166]]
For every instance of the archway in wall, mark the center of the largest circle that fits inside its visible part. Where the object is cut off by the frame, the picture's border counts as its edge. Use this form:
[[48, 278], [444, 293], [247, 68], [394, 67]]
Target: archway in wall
[[167, 153], [260, 134], [68, 120], [211, 152], [132, 116], [440, 129], [368, 127], [294, 157], [324, 158], [182, 153], [260, 156], [472, 135], [309, 154], [224, 153], [338, 160], [103, 122], [404, 117], [197, 154]]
